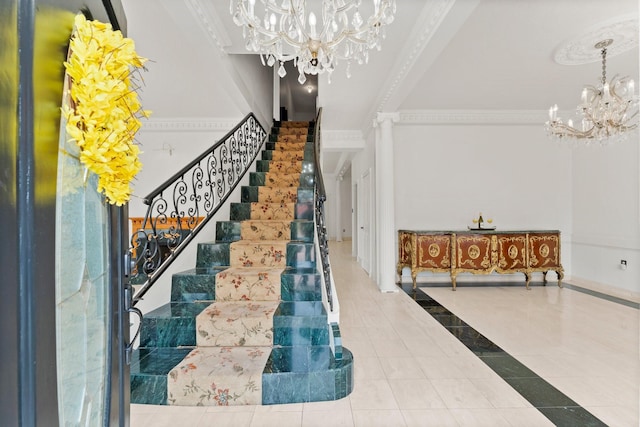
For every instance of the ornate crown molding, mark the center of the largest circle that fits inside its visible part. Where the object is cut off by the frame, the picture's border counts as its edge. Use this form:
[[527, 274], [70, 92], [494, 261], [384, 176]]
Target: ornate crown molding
[[426, 27], [623, 30], [188, 125], [342, 140], [211, 24], [471, 117]]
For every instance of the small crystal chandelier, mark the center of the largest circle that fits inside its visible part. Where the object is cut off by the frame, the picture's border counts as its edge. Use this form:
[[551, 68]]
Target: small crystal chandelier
[[284, 30], [606, 113]]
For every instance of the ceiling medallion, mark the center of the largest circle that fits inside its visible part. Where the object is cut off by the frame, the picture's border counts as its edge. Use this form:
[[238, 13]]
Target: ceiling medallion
[[579, 50]]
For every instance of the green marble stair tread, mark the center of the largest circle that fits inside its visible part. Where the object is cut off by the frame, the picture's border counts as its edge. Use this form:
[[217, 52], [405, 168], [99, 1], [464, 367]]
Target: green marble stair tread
[[171, 325], [148, 372], [218, 376], [196, 284]]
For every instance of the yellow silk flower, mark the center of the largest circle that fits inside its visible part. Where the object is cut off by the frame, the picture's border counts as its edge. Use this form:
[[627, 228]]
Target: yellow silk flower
[[104, 114]]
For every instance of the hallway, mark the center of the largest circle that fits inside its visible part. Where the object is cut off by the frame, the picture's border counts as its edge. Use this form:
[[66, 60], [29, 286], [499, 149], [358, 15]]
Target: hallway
[[411, 371]]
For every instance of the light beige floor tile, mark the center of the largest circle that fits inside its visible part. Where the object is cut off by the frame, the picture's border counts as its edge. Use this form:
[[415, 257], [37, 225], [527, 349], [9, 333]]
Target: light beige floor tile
[[390, 348], [479, 418], [378, 418], [416, 394], [429, 418], [439, 367], [368, 368], [396, 368], [372, 394], [332, 405], [276, 419], [524, 417], [460, 393], [499, 393], [225, 419], [343, 418]]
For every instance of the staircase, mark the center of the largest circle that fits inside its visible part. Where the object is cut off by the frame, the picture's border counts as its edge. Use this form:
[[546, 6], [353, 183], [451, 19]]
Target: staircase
[[247, 325]]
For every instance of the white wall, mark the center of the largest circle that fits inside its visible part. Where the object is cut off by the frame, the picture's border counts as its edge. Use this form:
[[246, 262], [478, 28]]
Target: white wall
[[606, 216], [258, 86], [446, 174]]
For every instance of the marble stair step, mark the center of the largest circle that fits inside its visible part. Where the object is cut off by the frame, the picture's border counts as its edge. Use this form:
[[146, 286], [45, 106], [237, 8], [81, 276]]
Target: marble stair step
[[301, 284], [244, 211], [307, 155], [306, 374], [214, 254], [149, 368], [306, 180], [292, 123], [231, 231], [300, 323], [289, 146], [249, 284], [264, 253], [278, 179], [236, 323], [259, 229], [196, 284], [218, 376], [282, 166], [171, 325], [276, 194], [273, 211]]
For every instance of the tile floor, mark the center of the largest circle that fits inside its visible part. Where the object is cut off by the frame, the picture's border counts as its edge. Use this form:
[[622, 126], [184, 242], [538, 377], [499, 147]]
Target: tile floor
[[411, 371]]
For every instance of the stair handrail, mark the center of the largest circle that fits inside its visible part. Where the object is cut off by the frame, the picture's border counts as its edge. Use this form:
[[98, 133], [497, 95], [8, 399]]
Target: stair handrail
[[321, 229], [197, 192]]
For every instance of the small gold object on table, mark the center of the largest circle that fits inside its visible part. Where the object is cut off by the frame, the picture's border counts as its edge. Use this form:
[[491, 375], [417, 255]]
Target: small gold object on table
[[480, 221]]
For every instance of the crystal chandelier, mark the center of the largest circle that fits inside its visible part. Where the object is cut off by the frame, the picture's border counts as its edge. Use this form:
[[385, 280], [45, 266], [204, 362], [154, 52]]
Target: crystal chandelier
[[284, 30], [606, 113]]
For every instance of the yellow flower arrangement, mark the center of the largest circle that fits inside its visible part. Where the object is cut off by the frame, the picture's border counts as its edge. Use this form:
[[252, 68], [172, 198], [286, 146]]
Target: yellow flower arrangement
[[103, 117]]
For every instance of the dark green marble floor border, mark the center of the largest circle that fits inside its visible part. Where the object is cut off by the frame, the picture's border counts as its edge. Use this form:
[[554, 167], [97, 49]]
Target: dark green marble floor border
[[560, 409]]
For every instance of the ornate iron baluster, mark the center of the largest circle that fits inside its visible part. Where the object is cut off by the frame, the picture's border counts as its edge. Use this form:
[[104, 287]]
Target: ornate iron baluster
[[179, 208]]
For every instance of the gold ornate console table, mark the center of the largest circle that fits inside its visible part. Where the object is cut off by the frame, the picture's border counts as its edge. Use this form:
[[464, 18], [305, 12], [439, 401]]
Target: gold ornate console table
[[480, 252]]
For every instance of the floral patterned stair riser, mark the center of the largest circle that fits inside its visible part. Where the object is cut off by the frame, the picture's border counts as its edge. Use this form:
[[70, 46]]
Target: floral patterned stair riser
[[285, 166], [275, 179], [273, 211], [265, 230], [258, 253], [218, 376], [234, 335], [295, 138], [236, 323], [248, 284], [277, 194], [291, 146], [282, 155]]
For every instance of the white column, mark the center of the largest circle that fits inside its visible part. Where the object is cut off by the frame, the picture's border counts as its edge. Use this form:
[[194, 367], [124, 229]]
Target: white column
[[385, 203], [338, 199]]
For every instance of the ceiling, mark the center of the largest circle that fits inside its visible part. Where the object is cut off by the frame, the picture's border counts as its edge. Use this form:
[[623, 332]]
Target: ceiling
[[452, 55]]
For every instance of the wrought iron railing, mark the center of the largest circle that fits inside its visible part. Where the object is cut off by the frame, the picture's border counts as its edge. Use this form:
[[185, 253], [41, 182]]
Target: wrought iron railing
[[182, 206], [321, 229]]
